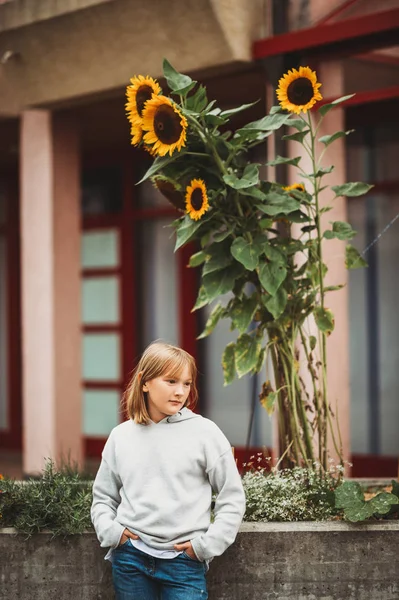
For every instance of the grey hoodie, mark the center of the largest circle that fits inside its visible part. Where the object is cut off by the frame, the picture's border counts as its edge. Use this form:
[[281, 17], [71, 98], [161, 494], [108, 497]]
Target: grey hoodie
[[157, 481]]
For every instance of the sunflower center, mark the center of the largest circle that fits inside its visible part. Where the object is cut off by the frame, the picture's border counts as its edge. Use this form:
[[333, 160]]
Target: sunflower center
[[144, 93], [167, 124], [300, 91], [197, 199]]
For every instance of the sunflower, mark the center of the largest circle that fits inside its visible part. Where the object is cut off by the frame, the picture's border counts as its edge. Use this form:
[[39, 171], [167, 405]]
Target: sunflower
[[164, 124], [196, 199], [170, 192], [296, 186], [298, 90], [136, 131], [140, 90]]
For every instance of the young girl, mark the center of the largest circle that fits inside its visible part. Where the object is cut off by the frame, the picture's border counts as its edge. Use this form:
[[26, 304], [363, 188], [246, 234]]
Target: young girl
[[153, 491]]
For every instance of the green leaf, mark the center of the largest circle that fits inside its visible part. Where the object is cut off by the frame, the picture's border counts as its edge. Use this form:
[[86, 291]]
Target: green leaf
[[254, 192], [197, 101], [324, 319], [298, 123], [246, 353], [269, 402], [222, 235], [261, 360], [329, 139], [382, 502], [268, 123], [214, 119], [197, 259], [242, 312], [280, 160], [348, 493], [213, 319], [249, 178], [271, 276], [351, 190], [296, 137], [323, 110], [245, 252], [276, 109], [353, 259], [220, 282], [278, 203], [202, 299], [175, 80], [228, 363], [185, 231], [183, 91], [160, 163], [233, 111], [395, 487], [333, 288], [358, 512], [219, 257], [319, 173], [312, 342], [277, 303], [340, 230], [271, 252]]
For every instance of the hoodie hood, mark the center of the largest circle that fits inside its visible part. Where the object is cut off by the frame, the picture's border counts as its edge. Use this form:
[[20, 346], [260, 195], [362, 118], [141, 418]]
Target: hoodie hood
[[185, 414]]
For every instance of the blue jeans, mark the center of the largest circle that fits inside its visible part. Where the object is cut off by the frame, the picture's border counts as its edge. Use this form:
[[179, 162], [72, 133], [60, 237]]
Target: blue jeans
[[138, 576]]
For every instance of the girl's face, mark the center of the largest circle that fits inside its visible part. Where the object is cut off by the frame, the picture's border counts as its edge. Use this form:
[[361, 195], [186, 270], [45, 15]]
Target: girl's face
[[166, 395]]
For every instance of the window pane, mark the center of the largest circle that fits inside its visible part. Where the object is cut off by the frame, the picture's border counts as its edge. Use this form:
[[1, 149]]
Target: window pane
[[3, 337], [101, 357], [101, 191], [388, 290], [100, 300], [100, 411], [374, 297], [100, 249], [358, 338], [230, 406], [157, 282]]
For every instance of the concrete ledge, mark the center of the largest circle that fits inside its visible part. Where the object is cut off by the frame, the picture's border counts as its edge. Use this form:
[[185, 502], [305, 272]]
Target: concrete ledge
[[269, 561]]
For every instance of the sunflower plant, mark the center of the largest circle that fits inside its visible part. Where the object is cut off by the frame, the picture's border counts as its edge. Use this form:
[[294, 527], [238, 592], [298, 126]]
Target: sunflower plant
[[259, 244]]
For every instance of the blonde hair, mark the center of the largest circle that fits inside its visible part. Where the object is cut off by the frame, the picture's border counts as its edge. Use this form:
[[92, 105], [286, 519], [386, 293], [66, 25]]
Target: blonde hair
[[159, 358]]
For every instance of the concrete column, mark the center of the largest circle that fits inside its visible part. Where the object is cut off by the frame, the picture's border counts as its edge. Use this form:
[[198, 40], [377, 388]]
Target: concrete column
[[332, 77], [330, 74], [50, 271]]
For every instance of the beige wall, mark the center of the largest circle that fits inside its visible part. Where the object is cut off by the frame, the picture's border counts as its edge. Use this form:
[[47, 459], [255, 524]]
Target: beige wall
[[96, 51], [19, 13]]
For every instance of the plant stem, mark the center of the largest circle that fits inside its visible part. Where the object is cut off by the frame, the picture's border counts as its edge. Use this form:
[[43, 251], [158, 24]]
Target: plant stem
[[321, 284], [315, 392]]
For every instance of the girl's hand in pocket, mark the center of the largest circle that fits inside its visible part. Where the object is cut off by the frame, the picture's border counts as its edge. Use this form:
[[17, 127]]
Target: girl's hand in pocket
[[187, 548], [126, 535]]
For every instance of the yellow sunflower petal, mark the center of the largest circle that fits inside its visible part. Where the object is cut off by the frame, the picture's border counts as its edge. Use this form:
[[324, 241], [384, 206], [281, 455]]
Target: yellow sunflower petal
[[136, 132], [164, 124], [196, 199], [298, 90], [294, 186], [138, 93]]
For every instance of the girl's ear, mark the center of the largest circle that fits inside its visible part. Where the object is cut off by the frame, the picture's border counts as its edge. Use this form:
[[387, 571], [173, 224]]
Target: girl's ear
[[139, 376]]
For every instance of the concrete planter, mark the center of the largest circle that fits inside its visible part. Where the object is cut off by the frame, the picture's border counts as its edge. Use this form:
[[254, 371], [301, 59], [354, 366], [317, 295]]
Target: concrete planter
[[284, 561]]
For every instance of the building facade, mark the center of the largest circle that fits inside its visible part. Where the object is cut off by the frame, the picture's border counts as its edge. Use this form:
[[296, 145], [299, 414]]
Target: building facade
[[88, 276]]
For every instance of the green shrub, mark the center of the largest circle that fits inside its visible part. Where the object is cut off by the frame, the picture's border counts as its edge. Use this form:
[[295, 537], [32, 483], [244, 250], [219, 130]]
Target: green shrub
[[59, 502], [296, 494]]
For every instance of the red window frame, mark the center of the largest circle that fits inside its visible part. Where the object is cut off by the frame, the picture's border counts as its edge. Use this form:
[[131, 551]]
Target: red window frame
[[125, 221]]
